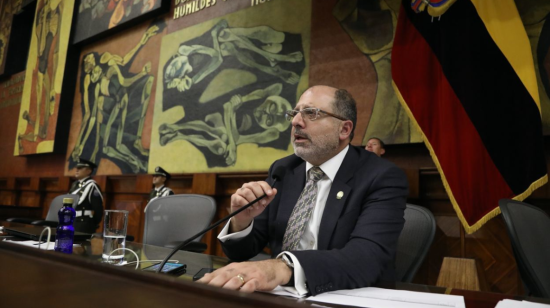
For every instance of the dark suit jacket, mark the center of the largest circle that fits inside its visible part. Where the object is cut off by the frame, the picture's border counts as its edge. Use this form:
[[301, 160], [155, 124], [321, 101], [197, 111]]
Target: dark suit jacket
[[358, 233]]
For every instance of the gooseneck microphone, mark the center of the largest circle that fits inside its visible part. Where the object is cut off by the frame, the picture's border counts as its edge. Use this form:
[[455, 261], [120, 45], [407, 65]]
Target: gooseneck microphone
[[277, 175]]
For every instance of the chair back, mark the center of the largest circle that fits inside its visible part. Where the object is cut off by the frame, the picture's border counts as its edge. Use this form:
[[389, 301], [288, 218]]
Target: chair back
[[414, 242], [177, 218], [529, 231], [57, 204]]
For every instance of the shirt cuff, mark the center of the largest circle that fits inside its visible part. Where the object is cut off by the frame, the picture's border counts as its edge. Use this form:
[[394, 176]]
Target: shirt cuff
[[300, 286], [224, 236]]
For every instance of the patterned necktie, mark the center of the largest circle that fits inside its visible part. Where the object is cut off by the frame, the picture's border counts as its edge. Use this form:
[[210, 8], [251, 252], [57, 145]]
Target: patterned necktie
[[302, 211]]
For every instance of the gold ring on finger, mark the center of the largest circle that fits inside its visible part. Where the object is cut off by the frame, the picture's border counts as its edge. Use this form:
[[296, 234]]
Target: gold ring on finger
[[241, 278]]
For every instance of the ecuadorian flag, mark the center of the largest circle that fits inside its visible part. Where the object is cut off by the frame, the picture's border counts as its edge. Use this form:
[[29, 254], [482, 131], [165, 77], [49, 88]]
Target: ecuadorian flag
[[468, 81]]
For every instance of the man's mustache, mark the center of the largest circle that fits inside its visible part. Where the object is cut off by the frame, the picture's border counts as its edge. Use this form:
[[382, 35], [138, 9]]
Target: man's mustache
[[299, 133]]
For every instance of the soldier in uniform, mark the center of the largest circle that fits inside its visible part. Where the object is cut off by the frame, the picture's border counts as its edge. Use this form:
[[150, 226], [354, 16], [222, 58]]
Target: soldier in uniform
[[89, 210], [159, 190]]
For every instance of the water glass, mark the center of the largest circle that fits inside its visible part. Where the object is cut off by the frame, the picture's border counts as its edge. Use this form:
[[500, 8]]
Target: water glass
[[114, 235]]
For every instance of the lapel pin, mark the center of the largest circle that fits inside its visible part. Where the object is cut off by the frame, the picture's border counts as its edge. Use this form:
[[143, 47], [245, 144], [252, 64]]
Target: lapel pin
[[339, 195]]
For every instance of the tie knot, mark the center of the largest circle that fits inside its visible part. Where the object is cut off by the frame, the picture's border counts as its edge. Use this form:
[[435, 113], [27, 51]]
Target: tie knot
[[315, 174]]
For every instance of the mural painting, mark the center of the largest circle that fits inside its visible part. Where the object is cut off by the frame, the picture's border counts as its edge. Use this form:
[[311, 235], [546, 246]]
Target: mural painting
[[225, 87], [44, 77], [7, 9], [371, 26], [111, 106], [97, 16]]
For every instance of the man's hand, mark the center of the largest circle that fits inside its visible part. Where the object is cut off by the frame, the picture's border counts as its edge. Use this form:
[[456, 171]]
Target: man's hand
[[250, 276], [246, 194]]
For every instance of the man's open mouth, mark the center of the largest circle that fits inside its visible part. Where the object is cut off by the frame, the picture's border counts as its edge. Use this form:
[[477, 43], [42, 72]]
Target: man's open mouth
[[300, 138]]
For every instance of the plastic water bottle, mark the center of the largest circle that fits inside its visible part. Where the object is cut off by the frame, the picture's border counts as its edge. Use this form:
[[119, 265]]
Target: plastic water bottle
[[65, 231]]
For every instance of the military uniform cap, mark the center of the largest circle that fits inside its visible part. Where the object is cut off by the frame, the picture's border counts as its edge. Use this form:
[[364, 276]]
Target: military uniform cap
[[85, 163], [162, 172]]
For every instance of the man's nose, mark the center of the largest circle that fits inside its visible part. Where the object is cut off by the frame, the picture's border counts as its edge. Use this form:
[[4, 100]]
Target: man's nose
[[298, 120]]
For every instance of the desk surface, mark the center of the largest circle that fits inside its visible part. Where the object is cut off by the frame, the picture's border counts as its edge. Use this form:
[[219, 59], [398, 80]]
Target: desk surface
[[31, 277]]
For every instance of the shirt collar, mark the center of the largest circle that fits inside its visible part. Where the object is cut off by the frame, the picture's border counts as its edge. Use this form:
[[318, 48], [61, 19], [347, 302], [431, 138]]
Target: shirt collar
[[84, 179], [158, 189], [331, 166]]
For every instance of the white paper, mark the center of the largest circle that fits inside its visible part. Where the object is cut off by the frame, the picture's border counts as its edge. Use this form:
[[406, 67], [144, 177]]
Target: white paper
[[282, 291], [386, 298], [529, 304], [508, 303], [34, 244]]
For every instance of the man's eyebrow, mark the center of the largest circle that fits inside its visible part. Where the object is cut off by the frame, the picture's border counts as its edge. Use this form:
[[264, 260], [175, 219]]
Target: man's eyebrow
[[303, 107]]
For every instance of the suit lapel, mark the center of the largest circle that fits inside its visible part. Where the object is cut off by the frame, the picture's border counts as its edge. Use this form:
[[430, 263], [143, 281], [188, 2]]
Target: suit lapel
[[334, 205]]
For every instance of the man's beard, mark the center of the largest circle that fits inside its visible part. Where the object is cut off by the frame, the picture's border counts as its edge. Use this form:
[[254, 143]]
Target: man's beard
[[321, 146]]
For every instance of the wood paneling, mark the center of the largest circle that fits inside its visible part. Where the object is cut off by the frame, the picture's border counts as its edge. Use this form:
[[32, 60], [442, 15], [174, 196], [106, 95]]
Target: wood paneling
[[180, 184], [23, 183], [7, 198], [229, 183], [28, 198], [121, 184]]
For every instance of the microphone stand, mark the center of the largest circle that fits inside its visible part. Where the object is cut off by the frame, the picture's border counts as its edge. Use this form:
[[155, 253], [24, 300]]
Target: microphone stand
[[217, 223]]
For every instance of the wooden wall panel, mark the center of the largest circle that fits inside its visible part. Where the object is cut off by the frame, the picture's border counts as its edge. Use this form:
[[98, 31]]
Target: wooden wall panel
[[23, 183], [7, 192], [28, 198], [7, 198], [180, 184]]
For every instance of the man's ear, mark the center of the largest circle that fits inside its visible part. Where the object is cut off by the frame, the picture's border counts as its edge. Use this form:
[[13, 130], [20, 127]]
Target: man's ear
[[382, 152], [345, 129]]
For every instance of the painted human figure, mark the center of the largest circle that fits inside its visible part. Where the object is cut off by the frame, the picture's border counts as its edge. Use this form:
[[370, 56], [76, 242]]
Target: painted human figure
[[48, 24], [106, 91], [231, 42], [225, 133]]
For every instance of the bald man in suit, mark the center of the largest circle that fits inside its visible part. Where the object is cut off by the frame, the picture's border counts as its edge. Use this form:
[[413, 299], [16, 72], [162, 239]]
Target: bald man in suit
[[332, 222]]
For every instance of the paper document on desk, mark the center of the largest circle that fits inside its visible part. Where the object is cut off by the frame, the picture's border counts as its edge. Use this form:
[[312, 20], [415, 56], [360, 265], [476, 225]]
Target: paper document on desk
[[385, 298], [508, 303], [284, 291], [34, 244]]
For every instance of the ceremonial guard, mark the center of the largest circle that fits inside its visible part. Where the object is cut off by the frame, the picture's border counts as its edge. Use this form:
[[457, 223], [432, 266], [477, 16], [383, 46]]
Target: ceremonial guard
[[159, 181], [89, 210]]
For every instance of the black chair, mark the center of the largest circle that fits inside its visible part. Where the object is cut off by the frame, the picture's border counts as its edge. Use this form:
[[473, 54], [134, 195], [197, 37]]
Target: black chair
[[529, 231], [51, 220], [414, 242], [171, 220]]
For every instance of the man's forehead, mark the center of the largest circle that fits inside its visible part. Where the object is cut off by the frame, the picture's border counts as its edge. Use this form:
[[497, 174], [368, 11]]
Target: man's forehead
[[319, 97]]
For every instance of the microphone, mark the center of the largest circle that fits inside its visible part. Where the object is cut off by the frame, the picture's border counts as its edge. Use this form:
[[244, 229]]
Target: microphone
[[277, 175]]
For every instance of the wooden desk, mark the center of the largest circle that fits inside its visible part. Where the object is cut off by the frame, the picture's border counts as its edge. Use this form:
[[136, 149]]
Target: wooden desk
[[30, 277], [37, 278]]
